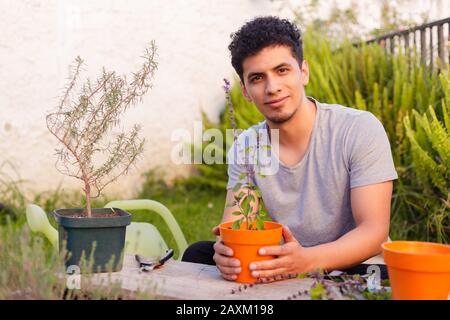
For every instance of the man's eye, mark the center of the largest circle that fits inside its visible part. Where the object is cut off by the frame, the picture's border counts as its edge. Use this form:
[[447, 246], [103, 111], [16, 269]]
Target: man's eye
[[256, 78], [282, 70]]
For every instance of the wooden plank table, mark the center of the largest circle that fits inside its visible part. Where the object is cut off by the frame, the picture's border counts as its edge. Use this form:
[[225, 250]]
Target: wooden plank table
[[185, 280]]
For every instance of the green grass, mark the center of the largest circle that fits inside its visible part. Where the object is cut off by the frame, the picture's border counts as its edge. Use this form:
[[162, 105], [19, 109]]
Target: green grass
[[197, 210]]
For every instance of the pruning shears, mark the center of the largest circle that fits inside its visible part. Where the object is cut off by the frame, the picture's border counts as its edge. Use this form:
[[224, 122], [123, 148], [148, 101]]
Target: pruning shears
[[148, 264]]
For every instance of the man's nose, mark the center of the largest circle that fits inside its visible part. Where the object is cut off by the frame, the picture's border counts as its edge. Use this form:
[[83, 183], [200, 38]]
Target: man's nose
[[272, 86]]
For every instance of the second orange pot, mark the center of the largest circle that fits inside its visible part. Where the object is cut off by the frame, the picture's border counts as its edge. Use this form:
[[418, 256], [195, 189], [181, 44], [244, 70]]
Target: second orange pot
[[246, 243], [418, 270]]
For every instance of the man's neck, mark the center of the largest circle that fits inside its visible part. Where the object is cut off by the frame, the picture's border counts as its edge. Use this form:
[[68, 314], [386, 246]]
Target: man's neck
[[297, 130]]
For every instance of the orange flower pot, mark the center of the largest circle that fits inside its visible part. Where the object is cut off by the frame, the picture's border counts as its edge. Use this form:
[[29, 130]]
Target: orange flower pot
[[418, 270], [246, 243]]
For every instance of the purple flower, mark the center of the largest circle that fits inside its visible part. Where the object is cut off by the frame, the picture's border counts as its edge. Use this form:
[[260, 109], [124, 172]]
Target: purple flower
[[227, 86]]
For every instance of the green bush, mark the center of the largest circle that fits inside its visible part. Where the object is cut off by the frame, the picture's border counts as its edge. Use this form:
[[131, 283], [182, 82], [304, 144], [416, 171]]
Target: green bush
[[430, 153], [393, 88]]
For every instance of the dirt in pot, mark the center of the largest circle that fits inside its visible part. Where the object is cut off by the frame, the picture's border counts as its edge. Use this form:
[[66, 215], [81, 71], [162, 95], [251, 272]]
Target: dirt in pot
[[95, 214]]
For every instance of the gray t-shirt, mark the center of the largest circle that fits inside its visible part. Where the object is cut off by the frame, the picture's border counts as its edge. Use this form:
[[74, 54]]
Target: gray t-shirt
[[348, 148]]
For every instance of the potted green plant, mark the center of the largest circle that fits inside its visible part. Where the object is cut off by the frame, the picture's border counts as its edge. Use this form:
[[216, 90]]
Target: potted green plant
[[252, 230], [84, 117]]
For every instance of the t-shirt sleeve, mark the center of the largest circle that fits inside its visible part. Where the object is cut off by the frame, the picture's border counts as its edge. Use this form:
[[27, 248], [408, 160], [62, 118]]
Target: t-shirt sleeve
[[369, 152]]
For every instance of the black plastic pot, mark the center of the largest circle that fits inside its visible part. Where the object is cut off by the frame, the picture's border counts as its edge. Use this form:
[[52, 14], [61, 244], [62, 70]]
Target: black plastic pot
[[82, 235]]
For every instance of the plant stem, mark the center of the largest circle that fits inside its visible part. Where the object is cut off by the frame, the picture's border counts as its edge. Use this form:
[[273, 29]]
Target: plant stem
[[87, 190]]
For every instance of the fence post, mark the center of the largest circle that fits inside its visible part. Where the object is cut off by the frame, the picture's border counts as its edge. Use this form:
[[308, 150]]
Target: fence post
[[406, 38], [441, 50], [431, 47], [392, 44], [423, 44], [428, 50]]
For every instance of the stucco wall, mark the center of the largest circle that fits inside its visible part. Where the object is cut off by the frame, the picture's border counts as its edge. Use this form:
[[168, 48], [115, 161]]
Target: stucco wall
[[40, 39]]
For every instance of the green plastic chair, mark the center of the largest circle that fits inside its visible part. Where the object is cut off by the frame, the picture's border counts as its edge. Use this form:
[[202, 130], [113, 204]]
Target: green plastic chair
[[38, 222], [141, 237]]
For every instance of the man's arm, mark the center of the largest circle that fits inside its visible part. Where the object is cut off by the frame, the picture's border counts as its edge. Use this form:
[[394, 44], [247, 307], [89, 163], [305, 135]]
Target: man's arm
[[371, 207], [371, 210]]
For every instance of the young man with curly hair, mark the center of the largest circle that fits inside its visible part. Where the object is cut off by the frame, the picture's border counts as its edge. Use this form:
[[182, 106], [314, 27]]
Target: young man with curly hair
[[333, 189]]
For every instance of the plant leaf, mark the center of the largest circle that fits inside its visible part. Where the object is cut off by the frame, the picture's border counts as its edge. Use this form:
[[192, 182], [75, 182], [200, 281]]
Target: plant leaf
[[237, 224], [237, 187], [317, 292], [259, 224], [245, 205]]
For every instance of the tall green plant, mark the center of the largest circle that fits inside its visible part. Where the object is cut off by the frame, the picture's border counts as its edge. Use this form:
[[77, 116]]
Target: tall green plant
[[430, 154], [248, 203]]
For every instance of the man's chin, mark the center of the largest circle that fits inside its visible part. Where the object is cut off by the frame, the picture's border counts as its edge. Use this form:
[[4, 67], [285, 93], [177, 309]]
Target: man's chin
[[280, 119]]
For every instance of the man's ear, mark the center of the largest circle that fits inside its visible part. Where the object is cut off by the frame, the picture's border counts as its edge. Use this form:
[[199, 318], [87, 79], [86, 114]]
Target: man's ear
[[305, 72], [244, 91]]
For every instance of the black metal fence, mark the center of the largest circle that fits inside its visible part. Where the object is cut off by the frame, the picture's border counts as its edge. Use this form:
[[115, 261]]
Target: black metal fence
[[431, 39]]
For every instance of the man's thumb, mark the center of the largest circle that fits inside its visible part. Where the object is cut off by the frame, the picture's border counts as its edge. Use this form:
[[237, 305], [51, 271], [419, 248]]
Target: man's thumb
[[287, 235], [216, 231]]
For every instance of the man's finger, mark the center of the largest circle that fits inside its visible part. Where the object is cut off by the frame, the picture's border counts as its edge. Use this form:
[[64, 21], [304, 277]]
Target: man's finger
[[229, 277], [274, 273], [274, 250], [287, 235], [222, 249], [224, 261], [267, 264], [229, 270]]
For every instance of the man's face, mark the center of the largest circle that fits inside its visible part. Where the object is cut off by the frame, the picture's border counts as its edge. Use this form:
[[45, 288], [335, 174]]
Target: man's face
[[275, 82]]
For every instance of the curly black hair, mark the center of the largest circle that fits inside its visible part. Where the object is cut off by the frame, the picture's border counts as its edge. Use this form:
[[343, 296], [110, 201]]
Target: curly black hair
[[260, 33]]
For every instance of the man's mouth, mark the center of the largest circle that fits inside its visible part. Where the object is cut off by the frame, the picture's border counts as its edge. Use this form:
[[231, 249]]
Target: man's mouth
[[276, 102]]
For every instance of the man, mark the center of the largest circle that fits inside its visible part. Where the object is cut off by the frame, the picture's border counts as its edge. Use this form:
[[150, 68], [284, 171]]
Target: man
[[333, 189]]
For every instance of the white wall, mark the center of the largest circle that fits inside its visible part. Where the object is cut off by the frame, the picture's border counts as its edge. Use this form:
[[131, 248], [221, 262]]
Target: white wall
[[40, 39]]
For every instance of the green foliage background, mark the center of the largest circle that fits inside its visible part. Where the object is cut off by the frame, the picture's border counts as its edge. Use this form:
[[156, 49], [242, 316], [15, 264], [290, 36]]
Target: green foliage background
[[409, 99]]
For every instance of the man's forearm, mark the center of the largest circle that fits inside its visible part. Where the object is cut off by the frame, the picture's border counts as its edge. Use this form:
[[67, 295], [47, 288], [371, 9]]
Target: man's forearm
[[351, 249]]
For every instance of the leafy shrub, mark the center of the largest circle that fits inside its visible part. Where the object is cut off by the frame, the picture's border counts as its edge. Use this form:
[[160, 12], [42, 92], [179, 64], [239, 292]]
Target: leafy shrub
[[394, 88]]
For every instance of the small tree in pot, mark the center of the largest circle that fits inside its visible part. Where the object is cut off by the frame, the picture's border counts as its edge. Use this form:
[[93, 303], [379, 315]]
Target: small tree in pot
[[81, 123], [251, 230]]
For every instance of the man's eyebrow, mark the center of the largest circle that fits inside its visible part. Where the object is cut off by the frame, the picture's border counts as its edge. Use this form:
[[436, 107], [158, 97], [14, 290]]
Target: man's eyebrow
[[284, 64]]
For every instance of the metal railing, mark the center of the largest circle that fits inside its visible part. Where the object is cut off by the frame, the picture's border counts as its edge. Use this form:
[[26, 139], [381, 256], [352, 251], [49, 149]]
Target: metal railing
[[429, 38]]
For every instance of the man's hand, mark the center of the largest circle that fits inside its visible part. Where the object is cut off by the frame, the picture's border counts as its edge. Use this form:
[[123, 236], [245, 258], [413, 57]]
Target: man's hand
[[223, 257], [291, 259]]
